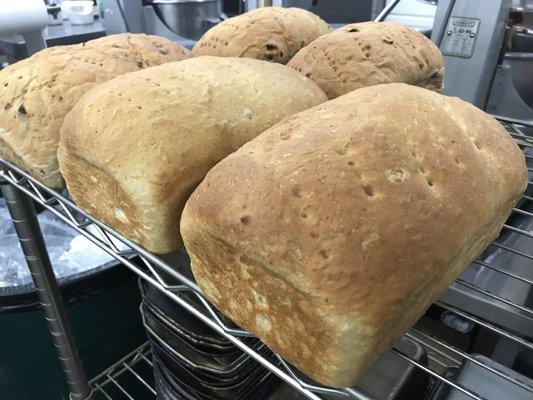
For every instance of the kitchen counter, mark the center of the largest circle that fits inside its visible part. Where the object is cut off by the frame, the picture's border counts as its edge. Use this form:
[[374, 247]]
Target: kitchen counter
[[13, 46]]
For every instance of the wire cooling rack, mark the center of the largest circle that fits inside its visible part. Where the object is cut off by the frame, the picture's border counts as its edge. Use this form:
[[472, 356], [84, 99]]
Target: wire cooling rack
[[175, 279], [129, 378]]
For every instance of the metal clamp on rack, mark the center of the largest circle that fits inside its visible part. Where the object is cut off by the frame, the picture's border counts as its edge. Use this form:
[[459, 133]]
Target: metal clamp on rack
[[172, 277]]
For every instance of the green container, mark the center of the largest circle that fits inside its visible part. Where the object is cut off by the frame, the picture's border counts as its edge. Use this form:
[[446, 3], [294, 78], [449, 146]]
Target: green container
[[103, 307]]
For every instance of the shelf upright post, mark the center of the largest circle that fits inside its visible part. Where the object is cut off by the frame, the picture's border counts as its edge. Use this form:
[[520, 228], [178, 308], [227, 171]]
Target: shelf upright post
[[31, 240]]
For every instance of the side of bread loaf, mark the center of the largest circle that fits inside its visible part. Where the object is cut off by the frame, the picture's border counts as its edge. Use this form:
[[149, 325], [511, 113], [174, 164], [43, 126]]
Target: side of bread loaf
[[269, 33], [133, 149], [38, 92], [371, 53], [332, 232]]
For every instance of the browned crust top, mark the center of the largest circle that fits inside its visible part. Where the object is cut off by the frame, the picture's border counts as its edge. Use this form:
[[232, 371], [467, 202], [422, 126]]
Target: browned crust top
[[269, 33], [39, 91], [371, 53]]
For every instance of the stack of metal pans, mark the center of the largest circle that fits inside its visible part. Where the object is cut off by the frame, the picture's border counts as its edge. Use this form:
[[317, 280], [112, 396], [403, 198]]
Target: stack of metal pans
[[193, 362]]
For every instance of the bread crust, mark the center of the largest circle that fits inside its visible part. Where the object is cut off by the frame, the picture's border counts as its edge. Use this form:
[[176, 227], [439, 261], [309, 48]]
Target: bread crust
[[133, 149], [331, 233], [269, 33], [38, 92], [371, 53]]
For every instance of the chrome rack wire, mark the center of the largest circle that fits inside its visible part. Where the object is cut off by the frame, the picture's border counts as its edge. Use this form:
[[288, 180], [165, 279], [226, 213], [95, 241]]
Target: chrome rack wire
[[129, 378], [158, 272]]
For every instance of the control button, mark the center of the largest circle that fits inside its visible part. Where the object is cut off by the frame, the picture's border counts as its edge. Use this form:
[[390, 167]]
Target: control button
[[472, 35], [449, 32], [461, 30]]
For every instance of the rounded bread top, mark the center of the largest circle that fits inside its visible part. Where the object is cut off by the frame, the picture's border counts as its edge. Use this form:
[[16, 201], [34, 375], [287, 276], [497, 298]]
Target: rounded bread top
[[39, 91], [371, 53], [269, 33]]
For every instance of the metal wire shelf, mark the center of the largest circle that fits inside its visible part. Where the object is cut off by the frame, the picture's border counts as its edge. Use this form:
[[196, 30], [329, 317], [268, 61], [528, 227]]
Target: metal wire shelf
[[129, 378], [175, 279]]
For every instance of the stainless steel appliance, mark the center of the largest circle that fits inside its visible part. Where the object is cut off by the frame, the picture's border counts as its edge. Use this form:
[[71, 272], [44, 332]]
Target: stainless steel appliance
[[188, 18], [487, 48], [182, 21]]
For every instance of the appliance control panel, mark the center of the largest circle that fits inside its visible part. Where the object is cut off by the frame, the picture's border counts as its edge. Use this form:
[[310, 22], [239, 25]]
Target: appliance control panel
[[460, 37]]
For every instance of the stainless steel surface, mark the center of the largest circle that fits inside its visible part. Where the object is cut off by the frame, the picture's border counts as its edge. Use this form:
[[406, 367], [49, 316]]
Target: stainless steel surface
[[522, 42], [511, 94], [414, 13], [521, 69], [501, 387], [512, 88], [305, 4], [153, 269], [188, 18], [32, 243], [522, 5], [470, 71], [340, 11], [487, 54], [153, 26], [386, 10], [14, 46]]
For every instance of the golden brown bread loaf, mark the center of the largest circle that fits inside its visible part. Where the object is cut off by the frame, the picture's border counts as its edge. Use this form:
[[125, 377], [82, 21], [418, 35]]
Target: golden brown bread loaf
[[38, 92], [330, 234], [133, 149], [371, 53], [269, 33]]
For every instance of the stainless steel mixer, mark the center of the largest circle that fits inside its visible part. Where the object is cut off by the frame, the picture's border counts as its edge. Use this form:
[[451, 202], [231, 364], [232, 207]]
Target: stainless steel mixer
[[183, 21], [187, 18]]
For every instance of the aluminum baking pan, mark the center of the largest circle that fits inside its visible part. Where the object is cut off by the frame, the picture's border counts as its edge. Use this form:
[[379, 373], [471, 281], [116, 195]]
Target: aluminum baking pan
[[164, 389], [269, 382], [195, 338], [181, 387], [159, 321], [196, 361], [181, 377], [186, 322], [187, 354], [209, 377], [167, 389], [191, 385], [213, 383], [211, 380]]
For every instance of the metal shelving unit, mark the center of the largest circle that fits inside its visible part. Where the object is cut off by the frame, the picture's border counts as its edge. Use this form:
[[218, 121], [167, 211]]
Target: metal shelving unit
[[173, 278], [129, 377]]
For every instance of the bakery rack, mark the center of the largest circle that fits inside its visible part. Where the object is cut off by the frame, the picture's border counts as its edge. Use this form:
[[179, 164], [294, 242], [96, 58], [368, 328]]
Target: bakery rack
[[172, 277], [134, 370]]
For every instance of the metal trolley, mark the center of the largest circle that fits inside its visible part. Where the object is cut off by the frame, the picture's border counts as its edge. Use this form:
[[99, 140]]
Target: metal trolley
[[173, 279]]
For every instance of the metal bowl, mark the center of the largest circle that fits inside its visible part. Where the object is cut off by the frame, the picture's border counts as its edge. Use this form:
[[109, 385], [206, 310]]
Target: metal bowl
[[188, 18]]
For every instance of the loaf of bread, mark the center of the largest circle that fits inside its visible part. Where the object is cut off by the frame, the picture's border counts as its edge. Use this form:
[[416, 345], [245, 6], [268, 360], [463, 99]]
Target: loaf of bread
[[331, 233], [371, 53], [39, 91], [133, 149], [269, 33]]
